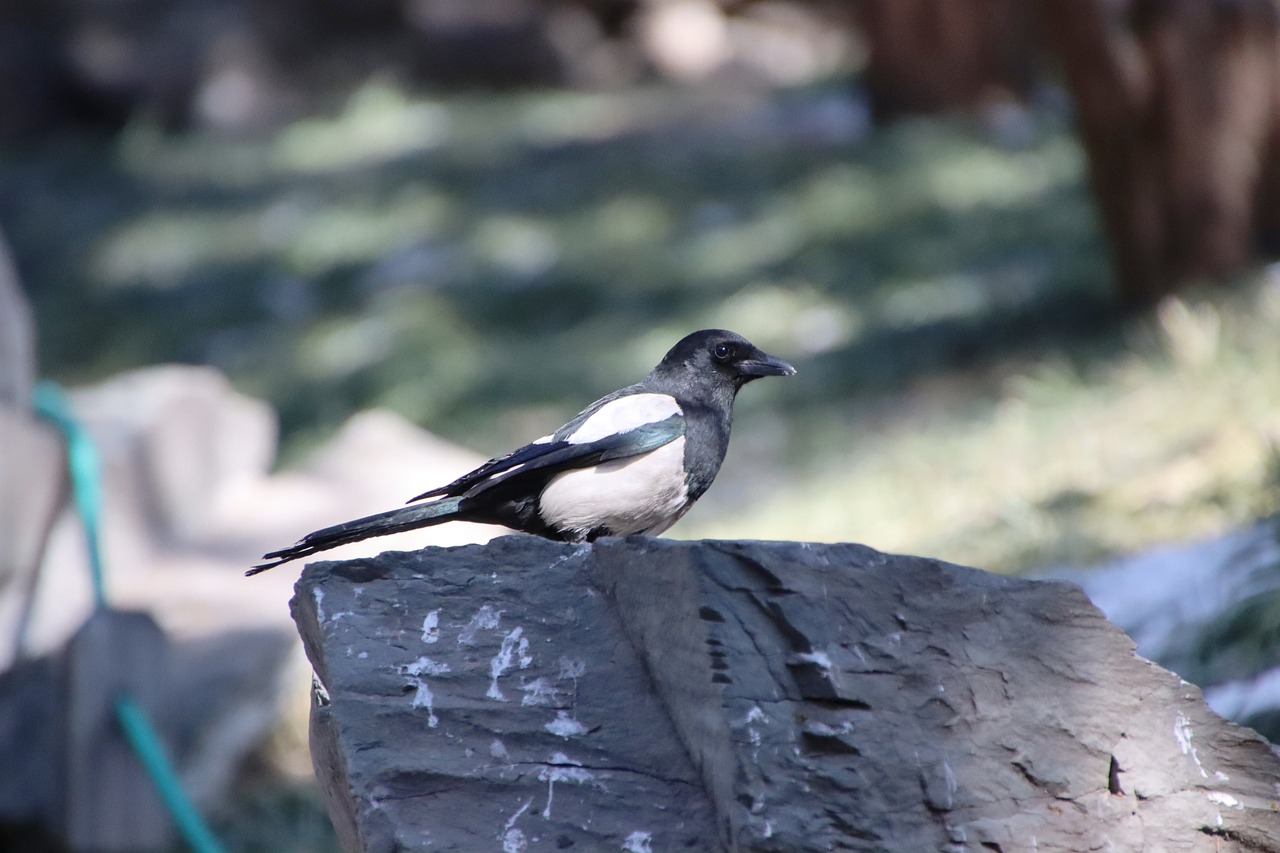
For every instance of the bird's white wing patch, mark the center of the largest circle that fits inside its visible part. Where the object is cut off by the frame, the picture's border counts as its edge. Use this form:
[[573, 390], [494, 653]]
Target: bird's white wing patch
[[640, 494], [623, 414]]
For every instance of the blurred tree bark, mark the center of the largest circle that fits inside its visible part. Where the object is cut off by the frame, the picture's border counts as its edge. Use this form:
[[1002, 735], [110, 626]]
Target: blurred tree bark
[[928, 55], [1177, 106]]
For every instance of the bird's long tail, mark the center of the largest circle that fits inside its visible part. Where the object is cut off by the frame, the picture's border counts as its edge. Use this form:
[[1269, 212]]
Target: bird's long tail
[[392, 521]]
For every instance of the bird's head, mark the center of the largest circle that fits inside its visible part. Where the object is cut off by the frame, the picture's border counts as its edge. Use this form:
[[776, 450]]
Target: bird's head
[[719, 358]]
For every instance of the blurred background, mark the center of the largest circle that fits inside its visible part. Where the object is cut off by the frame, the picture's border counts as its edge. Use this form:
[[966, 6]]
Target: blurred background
[[1021, 254]]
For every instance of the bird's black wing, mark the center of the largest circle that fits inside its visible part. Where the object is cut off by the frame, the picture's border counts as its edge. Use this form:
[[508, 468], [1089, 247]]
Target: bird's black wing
[[556, 456], [534, 450], [552, 455], [491, 468]]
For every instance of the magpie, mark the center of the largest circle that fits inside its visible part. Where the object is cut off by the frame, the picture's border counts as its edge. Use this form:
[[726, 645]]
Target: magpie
[[633, 461]]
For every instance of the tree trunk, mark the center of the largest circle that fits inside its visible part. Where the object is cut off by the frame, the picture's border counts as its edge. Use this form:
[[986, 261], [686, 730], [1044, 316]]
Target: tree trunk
[[1176, 103], [928, 55]]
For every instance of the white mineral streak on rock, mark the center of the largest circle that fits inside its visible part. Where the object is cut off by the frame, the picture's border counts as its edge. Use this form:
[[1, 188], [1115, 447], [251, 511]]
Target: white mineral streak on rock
[[1182, 731], [638, 842], [513, 840], [561, 769], [431, 627], [422, 696], [565, 726], [486, 619], [539, 691], [512, 644]]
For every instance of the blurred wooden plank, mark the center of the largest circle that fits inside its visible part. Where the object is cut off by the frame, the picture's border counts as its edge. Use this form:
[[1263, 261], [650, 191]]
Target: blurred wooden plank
[[33, 491], [111, 804], [31, 468], [17, 336]]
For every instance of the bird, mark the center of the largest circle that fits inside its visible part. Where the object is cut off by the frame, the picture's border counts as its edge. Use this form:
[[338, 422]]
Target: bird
[[632, 462]]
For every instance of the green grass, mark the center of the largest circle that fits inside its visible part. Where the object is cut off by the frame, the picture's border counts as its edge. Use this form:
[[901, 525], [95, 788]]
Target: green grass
[[312, 269], [485, 265]]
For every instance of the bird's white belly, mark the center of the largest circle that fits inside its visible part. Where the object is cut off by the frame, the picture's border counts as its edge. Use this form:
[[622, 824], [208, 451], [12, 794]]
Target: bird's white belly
[[643, 494]]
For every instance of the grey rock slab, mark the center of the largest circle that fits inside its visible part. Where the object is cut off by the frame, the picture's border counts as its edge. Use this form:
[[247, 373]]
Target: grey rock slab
[[180, 435], [655, 694], [476, 705]]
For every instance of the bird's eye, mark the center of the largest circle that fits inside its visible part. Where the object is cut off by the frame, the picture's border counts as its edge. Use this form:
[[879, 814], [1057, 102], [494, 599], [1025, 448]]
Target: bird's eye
[[722, 352]]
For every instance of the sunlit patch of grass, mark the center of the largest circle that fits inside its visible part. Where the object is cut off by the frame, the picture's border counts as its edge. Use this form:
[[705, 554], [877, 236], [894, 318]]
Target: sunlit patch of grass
[[919, 302], [980, 177], [343, 346], [379, 123], [844, 199], [628, 223], [161, 249], [1058, 464], [520, 245], [360, 231], [156, 250], [737, 249]]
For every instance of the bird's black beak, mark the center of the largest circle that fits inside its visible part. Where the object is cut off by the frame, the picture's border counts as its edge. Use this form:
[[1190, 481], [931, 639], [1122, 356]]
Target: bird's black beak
[[763, 364]]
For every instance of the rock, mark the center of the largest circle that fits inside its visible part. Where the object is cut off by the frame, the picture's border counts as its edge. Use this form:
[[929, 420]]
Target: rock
[[542, 779], [1208, 611], [185, 433], [651, 694], [175, 445]]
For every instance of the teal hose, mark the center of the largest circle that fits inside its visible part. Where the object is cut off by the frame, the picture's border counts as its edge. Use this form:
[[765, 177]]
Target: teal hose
[[86, 476], [146, 743], [86, 492]]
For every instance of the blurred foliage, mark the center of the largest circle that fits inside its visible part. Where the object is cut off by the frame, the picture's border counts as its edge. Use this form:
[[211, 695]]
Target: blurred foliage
[[456, 258], [487, 264], [1242, 643], [272, 817]]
